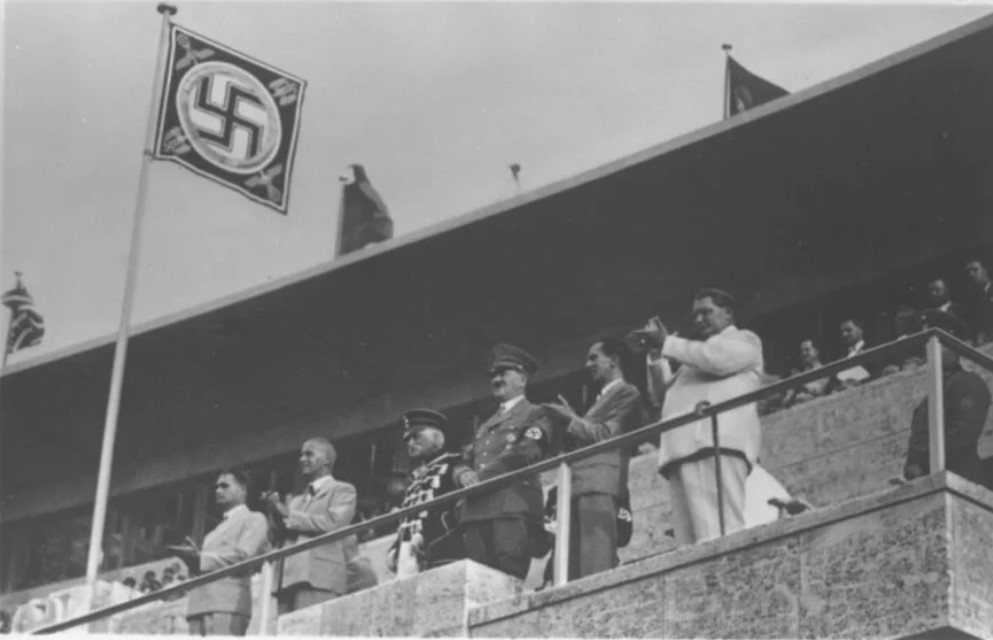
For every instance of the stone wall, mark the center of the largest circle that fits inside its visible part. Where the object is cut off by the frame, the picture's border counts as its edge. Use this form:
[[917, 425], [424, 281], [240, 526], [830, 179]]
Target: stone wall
[[431, 604], [911, 560]]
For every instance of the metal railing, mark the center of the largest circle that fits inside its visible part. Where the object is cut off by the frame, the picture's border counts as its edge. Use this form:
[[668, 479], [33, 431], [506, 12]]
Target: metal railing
[[932, 339]]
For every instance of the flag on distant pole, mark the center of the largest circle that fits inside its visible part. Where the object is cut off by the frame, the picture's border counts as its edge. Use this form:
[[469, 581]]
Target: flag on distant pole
[[363, 218], [743, 89], [229, 117], [515, 171], [26, 327]]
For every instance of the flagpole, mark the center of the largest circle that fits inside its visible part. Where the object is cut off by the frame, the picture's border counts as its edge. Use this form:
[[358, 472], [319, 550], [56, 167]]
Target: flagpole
[[120, 350], [727, 80]]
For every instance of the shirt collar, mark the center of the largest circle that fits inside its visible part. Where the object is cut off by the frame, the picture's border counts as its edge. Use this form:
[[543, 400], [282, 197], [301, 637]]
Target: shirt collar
[[607, 387], [510, 404], [321, 483], [234, 511]]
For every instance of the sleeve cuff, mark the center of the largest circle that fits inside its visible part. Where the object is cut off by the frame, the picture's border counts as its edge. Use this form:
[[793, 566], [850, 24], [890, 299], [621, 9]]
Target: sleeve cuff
[[674, 347]]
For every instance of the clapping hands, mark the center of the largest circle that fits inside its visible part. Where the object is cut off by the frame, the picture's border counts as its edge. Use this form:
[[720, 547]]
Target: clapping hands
[[561, 409]]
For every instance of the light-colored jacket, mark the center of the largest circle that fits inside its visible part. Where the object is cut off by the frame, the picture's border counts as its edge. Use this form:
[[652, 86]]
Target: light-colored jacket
[[720, 368], [241, 535], [331, 507]]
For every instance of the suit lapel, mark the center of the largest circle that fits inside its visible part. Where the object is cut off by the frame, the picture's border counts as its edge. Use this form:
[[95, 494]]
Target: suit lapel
[[218, 532]]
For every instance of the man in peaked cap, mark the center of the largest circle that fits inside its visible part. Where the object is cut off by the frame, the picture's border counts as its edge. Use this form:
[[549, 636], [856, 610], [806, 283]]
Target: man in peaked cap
[[504, 528], [430, 538], [967, 401]]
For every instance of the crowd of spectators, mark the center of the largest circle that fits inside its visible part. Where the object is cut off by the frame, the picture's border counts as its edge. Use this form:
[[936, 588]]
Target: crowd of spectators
[[975, 309]]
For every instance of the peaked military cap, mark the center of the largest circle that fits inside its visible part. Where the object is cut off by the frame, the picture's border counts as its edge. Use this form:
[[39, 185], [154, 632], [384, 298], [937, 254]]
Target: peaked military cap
[[416, 419], [937, 319], [507, 356]]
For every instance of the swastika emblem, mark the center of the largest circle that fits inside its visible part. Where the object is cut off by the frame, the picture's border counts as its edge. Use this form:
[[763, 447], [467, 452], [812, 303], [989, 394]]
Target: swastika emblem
[[229, 117]]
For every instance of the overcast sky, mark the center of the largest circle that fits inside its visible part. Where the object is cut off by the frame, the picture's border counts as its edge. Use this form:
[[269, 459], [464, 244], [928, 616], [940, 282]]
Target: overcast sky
[[434, 99]]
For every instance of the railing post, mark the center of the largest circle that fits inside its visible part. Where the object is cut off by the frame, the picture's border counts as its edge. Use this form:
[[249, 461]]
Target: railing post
[[935, 405], [718, 475], [563, 516], [265, 597]]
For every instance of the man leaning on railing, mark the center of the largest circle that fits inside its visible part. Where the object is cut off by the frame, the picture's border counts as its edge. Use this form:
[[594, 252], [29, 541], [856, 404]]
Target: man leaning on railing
[[725, 363], [967, 401]]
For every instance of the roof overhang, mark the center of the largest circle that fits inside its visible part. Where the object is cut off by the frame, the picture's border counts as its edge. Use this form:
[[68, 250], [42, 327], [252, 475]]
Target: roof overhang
[[876, 170]]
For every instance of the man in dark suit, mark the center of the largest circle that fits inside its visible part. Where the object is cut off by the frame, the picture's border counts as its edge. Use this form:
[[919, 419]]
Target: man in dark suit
[[940, 299], [328, 504], [967, 401], [979, 301], [599, 482], [503, 529], [224, 606]]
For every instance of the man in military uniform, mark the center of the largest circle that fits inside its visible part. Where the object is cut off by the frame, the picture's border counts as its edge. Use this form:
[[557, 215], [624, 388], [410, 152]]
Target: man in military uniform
[[967, 401], [504, 528], [430, 538]]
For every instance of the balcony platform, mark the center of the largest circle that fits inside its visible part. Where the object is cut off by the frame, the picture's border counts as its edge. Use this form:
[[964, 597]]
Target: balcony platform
[[913, 561]]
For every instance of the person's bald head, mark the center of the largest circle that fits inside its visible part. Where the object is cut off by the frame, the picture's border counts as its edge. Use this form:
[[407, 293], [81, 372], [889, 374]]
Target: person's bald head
[[317, 457]]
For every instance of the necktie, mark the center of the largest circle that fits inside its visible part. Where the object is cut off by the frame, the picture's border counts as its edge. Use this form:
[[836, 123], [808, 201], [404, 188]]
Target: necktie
[[311, 492]]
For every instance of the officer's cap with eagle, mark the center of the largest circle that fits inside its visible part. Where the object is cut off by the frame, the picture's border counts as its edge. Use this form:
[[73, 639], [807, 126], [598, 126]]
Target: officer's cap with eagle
[[416, 419], [507, 356]]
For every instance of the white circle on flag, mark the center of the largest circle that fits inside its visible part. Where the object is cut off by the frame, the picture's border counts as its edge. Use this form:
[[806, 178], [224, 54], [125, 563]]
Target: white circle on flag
[[229, 117]]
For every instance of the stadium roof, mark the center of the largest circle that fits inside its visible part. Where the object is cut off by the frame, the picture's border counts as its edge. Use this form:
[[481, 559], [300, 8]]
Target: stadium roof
[[876, 170]]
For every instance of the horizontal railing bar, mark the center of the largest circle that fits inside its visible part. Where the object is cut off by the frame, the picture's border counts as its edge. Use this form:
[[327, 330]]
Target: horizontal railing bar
[[967, 351], [627, 439]]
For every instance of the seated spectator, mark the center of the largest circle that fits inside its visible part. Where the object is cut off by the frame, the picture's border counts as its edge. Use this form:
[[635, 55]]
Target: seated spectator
[[853, 340], [940, 300], [149, 583], [810, 359], [170, 576], [967, 401], [979, 304], [907, 323]]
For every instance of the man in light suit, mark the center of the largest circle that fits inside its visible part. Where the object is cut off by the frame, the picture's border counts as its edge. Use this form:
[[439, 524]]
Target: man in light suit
[[224, 607], [724, 363], [599, 481], [504, 529], [328, 504]]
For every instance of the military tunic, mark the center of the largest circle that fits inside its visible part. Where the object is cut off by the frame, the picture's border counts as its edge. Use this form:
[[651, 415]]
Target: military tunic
[[506, 442], [503, 528], [439, 528]]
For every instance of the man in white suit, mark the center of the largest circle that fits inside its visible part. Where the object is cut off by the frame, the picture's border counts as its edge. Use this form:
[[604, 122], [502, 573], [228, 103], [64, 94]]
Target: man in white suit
[[724, 363], [224, 607], [328, 504]]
